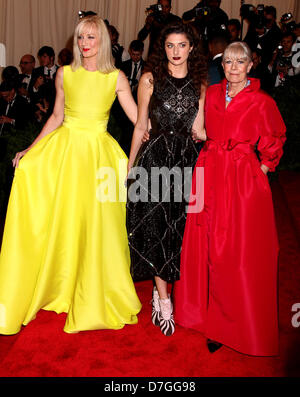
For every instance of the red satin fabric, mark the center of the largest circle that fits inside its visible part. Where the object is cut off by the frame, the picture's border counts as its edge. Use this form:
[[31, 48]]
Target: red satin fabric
[[228, 284]]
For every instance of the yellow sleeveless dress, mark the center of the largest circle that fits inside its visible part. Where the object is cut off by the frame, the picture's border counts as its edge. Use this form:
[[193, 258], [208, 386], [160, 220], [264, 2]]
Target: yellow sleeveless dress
[[65, 244]]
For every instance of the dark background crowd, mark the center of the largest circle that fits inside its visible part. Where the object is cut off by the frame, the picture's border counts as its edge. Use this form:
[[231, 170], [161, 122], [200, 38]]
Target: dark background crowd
[[27, 94]]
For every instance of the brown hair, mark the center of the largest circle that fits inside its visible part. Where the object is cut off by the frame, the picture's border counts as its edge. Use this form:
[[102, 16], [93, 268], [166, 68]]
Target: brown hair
[[157, 64]]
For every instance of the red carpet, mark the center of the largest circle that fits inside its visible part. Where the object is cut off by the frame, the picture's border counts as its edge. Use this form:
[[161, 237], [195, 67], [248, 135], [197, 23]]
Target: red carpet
[[42, 349]]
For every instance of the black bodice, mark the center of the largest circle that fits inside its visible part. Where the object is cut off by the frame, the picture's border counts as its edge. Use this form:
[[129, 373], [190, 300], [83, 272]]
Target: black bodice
[[173, 106], [155, 226]]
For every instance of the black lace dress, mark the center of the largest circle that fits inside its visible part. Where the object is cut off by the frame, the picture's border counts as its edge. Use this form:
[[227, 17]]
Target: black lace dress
[[158, 190]]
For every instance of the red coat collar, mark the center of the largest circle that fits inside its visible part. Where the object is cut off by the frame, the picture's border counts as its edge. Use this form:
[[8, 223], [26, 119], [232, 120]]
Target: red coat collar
[[241, 100], [253, 86]]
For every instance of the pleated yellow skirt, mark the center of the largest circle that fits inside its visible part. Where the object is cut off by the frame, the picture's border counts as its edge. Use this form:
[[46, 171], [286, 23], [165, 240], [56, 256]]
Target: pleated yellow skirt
[[64, 247]]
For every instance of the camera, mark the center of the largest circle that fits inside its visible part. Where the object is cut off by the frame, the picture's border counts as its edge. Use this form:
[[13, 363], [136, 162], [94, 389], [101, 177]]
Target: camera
[[260, 20], [286, 17], [83, 14], [202, 11], [283, 61], [154, 8], [156, 11], [291, 26], [288, 23], [247, 11]]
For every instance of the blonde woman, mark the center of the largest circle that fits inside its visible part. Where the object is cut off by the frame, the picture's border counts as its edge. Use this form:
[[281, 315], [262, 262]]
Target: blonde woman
[[65, 244]]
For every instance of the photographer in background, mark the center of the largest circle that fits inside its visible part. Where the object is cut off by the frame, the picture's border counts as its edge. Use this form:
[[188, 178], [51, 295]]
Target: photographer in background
[[15, 111], [272, 35], [234, 29], [261, 72], [287, 22], [281, 65], [159, 15], [263, 34], [209, 18]]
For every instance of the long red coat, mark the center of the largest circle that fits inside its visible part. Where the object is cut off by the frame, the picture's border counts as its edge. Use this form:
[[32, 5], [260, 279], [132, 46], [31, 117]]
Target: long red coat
[[228, 283]]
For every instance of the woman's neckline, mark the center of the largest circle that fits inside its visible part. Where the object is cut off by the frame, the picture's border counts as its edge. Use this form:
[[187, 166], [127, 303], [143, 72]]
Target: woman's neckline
[[179, 78], [90, 71]]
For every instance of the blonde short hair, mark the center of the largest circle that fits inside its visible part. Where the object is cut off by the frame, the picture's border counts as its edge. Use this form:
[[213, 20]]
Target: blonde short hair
[[237, 49], [105, 62]]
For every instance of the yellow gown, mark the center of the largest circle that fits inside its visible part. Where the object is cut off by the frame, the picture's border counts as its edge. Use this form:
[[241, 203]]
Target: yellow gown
[[65, 244]]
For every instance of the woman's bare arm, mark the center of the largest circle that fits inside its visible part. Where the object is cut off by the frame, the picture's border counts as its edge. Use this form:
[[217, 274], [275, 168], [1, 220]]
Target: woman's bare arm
[[198, 129], [145, 90], [125, 97]]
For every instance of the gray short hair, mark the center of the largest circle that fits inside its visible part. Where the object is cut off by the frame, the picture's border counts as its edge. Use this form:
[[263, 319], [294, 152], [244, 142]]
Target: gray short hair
[[237, 49]]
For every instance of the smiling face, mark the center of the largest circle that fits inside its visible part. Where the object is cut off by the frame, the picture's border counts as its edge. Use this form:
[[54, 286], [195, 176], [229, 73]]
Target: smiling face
[[236, 69], [237, 62], [88, 42], [177, 48]]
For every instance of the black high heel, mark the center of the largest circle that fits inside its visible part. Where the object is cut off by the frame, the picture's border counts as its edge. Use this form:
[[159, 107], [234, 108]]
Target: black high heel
[[213, 346]]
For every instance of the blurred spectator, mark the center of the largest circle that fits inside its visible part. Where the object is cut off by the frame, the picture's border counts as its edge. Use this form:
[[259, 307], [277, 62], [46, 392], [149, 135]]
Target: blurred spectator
[[273, 34], [209, 18], [119, 53], [263, 34], [281, 65], [44, 106], [234, 29], [47, 67], [65, 57], [45, 74], [14, 109], [10, 73], [261, 72], [133, 70], [155, 22], [27, 66], [216, 46], [287, 22], [134, 66]]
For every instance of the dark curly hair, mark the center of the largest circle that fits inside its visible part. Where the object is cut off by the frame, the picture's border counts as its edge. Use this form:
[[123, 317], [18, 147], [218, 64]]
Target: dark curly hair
[[157, 63]]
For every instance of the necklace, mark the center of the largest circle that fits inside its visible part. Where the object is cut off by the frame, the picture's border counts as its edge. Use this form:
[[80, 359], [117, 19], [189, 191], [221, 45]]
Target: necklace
[[179, 90], [176, 101], [228, 98]]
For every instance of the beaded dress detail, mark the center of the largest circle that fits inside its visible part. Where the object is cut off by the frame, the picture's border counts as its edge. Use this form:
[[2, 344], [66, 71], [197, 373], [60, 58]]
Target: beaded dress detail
[[155, 224]]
